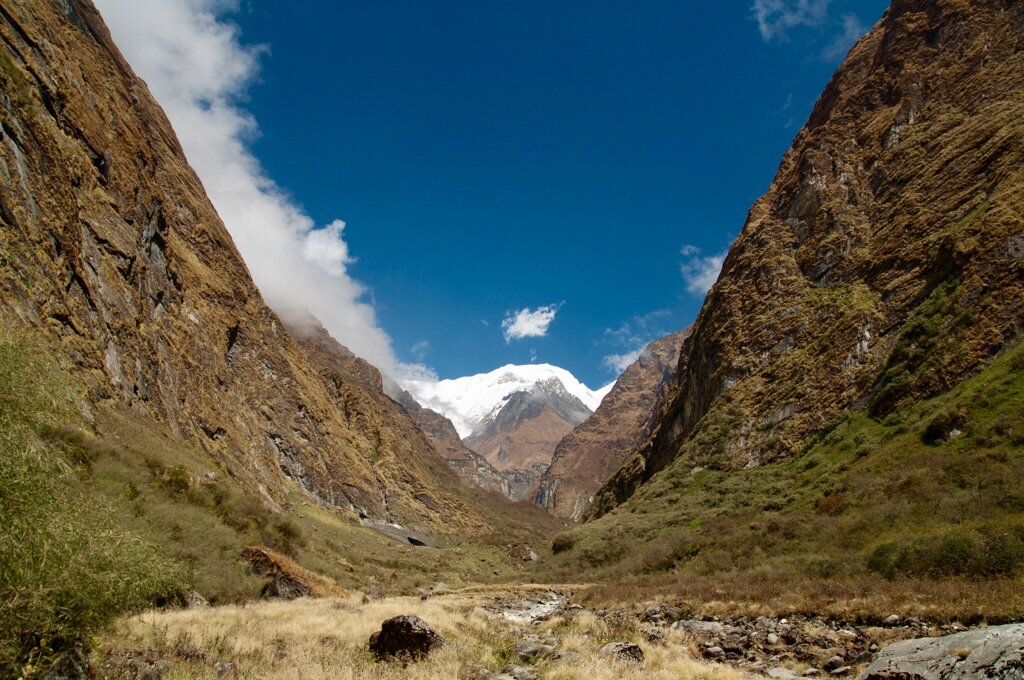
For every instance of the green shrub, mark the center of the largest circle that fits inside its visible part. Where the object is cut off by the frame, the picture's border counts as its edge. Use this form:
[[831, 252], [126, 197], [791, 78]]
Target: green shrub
[[562, 542], [63, 571], [941, 424], [987, 552]]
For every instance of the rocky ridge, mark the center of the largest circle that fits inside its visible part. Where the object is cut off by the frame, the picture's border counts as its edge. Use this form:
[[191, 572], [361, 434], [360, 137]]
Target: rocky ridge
[[520, 435], [884, 263], [470, 466], [586, 457], [113, 253]]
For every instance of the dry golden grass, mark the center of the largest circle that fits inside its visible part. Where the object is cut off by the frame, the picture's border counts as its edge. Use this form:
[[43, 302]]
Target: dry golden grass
[[325, 638], [861, 598]]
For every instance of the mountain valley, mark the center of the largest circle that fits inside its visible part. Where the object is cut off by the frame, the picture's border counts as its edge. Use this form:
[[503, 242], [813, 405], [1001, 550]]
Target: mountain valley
[[829, 460]]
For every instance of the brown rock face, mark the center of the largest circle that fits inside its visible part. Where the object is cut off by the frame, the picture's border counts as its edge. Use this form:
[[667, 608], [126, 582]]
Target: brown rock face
[[110, 248], [885, 262], [405, 460], [521, 438], [470, 466], [590, 454]]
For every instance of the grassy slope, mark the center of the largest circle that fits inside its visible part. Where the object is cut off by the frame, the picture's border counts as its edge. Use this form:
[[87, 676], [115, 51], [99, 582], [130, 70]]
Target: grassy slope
[[872, 515], [104, 517]]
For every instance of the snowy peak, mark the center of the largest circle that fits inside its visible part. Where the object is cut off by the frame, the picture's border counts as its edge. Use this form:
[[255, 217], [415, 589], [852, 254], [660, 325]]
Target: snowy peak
[[471, 400]]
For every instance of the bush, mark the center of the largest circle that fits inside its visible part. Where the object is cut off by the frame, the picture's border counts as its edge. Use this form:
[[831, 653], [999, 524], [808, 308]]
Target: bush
[[987, 552], [63, 572], [562, 543], [941, 424]]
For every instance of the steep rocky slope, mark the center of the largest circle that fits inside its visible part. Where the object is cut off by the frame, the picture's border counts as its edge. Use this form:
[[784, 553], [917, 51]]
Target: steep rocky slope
[[469, 465], [111, 248], [883, 265], [586, 457], [520, 436]]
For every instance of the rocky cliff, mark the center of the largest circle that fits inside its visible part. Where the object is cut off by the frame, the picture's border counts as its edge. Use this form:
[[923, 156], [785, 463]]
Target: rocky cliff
[[110, 247], [469, 465], [883, 265], [594, 451], [520, 436]]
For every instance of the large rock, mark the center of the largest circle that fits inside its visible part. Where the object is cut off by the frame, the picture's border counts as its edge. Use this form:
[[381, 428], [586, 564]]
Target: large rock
[[405, 637], [994, 652], [627, 651]]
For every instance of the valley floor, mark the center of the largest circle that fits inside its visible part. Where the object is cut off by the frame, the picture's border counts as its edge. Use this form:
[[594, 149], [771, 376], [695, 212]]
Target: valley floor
[[523, 632], [313, 638]]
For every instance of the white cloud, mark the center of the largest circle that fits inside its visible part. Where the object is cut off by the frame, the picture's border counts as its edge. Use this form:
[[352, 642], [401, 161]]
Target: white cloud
[[528, 323], [196, 66], [776, 17], [419, 349], [853, 29], [700, 271], [634, 335], [620, 362]]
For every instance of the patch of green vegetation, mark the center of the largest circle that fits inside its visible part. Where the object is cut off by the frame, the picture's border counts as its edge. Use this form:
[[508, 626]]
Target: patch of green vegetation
[[67, 567], [910, 369], [932, 491], [16, 85]]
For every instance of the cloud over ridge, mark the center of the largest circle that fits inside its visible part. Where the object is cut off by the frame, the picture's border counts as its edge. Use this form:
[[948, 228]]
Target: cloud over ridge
[[199, 71]]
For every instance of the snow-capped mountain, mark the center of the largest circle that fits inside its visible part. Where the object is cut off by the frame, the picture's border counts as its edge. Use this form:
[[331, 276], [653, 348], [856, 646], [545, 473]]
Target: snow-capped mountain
[[468, 401]]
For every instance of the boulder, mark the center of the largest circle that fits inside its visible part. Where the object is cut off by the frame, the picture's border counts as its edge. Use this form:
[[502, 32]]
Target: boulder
[[627, 651], [993, 652], [407, 637]]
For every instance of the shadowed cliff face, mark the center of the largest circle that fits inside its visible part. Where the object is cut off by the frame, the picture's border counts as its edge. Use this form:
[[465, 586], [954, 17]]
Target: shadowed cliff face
[[593, 451], [111, 248], [883, 265], [469, 465]]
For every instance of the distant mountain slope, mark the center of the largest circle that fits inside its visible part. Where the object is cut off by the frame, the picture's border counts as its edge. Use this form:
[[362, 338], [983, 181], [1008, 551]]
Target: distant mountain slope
[[519, 436], [883, 265], [112, 250], [469, 465], [469, 400], [586, 457]]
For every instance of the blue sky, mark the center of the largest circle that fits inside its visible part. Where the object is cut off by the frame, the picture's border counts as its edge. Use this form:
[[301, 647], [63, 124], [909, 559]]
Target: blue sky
[[587, 158]]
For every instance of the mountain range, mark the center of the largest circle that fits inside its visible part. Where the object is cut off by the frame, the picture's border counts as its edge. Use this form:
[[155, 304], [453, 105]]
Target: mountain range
[[842, 419]]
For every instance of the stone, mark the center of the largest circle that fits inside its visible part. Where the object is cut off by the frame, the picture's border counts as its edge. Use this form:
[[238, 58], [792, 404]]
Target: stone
[[781, 673], [993, 652], [834, 663], [531, 649], [223, 668], [892, 620], [842, 670], [698, 626], [714, 651], [193, 600], [772, 639], [566, 657], [627, 651], [530, 556], [406, 637]]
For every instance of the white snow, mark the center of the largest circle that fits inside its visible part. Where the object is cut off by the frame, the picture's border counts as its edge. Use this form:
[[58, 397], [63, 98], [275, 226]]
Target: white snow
[[466, 401]]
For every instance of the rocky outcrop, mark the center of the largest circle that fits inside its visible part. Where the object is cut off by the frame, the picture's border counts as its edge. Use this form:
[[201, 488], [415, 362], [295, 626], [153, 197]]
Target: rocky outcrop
[[993, 652], [284, 578], [884, 263], [469, 465], [593, 451], [110, 249], [404, 637], [520, 437]]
